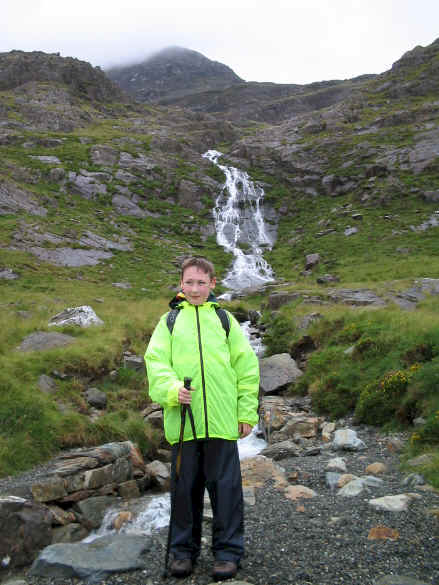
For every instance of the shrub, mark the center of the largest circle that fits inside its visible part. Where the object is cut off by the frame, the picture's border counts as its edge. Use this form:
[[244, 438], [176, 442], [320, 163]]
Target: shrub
[[379, 402]]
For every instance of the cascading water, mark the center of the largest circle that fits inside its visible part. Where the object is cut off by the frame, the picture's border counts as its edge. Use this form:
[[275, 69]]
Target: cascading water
[[239, 223]]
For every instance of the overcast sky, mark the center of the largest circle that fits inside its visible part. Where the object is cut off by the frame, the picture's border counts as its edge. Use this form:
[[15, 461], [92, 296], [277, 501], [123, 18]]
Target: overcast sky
[[285, 41]]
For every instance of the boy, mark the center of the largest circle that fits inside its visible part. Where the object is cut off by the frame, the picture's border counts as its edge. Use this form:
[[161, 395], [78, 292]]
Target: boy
[[224, 401]]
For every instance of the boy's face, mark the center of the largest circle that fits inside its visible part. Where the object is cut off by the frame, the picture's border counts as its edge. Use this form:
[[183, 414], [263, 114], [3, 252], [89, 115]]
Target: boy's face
[[196, 285]]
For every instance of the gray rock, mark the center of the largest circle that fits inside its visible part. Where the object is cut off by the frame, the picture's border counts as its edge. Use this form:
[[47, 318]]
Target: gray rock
[[277, 371], [282, 450], [134, 362], [96, 398], [70, 256], [350, 231], [8, 274], [351, 489], [347, 440], [124, 206], [413, 480], [93, 509], [311, 260], [104, 155], [140, 162], [13, 199], [276, 300], [124, 285], [94, 241], [103, 556], [359, 297], [331, 478], [41, 340], [72, 532], [337, 463], [51, 160], [83, 316], [397, 503], [86, 186], [46, 384]]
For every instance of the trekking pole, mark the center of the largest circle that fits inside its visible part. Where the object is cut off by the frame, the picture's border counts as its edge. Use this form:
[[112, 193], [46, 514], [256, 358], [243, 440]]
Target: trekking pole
[[184, 408]]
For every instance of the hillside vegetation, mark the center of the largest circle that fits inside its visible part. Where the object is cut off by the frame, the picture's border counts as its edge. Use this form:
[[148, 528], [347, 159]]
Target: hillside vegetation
[[99, 194]]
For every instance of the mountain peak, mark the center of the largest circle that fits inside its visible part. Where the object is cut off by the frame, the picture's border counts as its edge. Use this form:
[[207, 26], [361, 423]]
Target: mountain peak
[[172, 72]]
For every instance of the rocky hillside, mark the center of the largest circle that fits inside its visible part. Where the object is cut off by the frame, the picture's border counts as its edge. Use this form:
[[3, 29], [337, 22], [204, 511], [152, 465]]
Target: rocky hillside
[[101, 198], [178, 76], [172, 73]]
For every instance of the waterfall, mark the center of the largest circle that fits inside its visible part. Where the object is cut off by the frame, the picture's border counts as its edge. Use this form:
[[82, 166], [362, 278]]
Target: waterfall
[[239, 223]]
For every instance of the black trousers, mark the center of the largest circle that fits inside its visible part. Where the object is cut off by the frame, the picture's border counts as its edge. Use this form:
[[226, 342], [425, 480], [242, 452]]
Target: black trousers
[[212, 464]]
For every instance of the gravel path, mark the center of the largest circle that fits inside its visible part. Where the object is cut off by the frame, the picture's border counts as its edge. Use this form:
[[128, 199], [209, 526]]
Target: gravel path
[[323, 540]]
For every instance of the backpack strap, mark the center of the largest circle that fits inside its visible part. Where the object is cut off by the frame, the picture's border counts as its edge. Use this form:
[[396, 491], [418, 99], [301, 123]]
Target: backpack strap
[[222, 316], [170, 319]]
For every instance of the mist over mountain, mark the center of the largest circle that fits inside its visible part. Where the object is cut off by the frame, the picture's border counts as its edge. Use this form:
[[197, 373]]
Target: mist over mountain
[[178, 76], [171, 74]]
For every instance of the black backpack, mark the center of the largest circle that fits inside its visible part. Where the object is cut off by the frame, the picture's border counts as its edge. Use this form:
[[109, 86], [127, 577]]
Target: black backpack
[[222, 316]]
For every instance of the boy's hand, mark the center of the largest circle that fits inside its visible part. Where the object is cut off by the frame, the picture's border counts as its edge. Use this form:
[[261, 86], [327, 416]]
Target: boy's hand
[[184, 396], [244, 429]]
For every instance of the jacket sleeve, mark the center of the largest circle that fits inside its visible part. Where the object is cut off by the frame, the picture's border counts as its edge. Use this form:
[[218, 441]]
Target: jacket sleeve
[[162, 380], [246, 365]]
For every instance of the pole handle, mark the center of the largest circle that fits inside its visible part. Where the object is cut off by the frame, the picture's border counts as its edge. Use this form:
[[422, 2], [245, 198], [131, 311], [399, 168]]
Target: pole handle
[[187, 383]]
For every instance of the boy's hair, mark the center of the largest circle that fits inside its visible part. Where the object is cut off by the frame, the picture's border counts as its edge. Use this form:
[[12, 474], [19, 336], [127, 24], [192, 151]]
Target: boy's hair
[[200, 263]]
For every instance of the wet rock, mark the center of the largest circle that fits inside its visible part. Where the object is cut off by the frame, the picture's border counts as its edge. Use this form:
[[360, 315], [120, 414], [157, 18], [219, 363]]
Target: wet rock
[[83, 316], [25, 530], [93, 509], [103, 556], [277, 372], [160, 474], [73, 532], [41, 341]]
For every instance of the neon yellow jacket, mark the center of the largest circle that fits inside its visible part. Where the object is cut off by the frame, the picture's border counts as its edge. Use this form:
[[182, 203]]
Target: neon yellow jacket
[[224, 372]]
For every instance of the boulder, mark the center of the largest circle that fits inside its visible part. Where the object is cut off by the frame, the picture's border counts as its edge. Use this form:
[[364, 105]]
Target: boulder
[[93, 560], [93, 509], [311, 260], [83, 316], [70, 256], [347, 440], [25, 530], [96, 398], [277, 371], [160, 474], [8, 274]]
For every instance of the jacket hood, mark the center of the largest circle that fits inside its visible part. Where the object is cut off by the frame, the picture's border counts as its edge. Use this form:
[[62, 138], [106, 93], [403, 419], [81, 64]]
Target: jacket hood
[[180, 297]]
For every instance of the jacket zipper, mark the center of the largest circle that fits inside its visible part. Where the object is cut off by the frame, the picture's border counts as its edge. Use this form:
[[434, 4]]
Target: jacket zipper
[[203, 381]]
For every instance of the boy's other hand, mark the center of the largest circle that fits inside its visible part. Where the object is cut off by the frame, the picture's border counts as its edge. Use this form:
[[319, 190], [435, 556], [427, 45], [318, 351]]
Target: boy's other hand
[[244, 429], [184, 396]]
